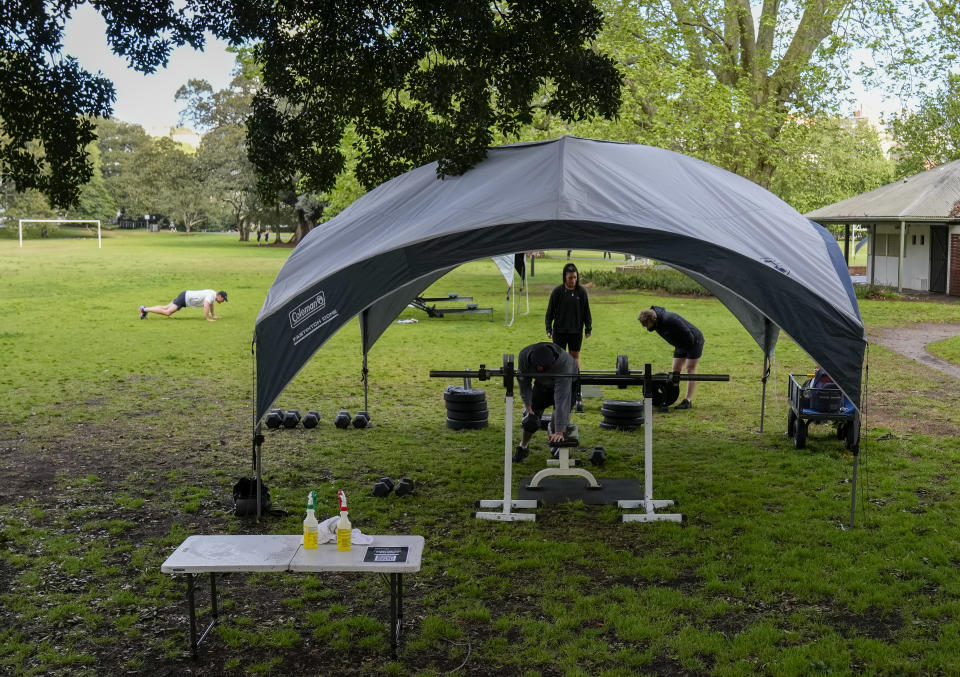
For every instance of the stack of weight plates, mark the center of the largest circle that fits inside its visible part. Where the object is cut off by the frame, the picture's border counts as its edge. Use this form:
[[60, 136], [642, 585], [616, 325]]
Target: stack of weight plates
[[622, 414], [466, 408]]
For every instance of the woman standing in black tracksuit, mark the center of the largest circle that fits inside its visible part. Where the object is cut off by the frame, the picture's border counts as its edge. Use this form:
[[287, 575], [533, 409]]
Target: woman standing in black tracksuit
[[568, 319]]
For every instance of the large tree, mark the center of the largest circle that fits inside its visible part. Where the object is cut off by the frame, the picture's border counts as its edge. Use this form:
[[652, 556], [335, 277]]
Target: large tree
[[825, 160], [929, 136], [417, 80], [722, 79], [48, 102]]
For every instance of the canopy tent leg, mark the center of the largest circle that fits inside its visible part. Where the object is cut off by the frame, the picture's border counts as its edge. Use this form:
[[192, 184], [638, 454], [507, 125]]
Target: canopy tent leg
[[853, 489], [363, 377], [526, 293], [763, 391], [258, 470], [510, 314]]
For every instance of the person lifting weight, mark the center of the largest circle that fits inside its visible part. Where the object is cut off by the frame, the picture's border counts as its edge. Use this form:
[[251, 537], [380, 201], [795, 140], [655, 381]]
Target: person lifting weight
[[554, 368]]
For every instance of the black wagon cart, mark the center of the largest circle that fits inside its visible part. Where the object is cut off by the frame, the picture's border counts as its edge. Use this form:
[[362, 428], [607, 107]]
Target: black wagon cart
[[814, 398]]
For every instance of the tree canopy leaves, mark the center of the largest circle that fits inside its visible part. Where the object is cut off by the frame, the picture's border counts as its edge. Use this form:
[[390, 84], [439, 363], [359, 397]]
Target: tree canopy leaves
[[418, 81], [47, 100]]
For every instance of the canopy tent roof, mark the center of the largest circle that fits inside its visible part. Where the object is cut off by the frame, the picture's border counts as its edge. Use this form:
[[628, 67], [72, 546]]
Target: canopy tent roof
[[932, 195], [768, 264]]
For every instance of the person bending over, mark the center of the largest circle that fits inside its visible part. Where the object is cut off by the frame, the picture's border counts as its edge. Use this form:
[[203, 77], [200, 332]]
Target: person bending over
[[554, 368], [686, 339], [191, 298], [568, 319]]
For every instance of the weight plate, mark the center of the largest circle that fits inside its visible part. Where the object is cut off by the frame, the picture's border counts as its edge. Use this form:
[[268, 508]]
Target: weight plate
[[625, 406], [623, 420], [461, 394], [467, 415], [664, 393], [623, 368], [610, 426], [466, 406], [472, 425]]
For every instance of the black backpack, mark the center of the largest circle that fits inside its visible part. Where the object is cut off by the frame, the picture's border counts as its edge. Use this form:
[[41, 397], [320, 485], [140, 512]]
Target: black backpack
[[245, 497]]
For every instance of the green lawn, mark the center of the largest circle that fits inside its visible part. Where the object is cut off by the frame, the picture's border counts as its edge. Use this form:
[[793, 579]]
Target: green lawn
[[120, 437]]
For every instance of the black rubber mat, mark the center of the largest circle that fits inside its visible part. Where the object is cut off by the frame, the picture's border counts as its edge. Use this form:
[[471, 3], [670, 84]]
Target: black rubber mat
[[554, 490]]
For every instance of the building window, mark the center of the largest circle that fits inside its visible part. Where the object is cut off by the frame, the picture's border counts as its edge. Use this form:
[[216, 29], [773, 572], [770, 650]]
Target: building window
[[914, 239], [921, 239]]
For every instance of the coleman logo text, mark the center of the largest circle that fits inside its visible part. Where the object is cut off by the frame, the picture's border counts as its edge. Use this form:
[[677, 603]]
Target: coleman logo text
[[307, 309]]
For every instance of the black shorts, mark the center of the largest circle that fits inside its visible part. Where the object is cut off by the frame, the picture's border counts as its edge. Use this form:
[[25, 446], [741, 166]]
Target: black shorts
[[569, 341], [693, 353], [541, 398], [181, 300]]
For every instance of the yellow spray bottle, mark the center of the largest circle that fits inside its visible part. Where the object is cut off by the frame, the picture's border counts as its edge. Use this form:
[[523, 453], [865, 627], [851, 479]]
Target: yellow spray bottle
[[344, 528], [310, 527]]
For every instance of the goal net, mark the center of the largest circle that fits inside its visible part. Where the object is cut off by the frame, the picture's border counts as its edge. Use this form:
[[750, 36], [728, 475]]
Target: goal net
[[60, 228]]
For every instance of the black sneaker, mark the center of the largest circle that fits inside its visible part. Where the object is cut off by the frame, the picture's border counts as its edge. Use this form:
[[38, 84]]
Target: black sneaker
[[684, 405], [520, 453], [579, 406], [143, 313]]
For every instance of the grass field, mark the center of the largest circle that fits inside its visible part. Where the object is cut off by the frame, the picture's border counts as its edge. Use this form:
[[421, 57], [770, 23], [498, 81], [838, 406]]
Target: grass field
[[120, 437]]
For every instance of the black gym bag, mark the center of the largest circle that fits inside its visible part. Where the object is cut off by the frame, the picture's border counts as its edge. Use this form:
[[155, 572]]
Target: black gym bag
[[245, 498]]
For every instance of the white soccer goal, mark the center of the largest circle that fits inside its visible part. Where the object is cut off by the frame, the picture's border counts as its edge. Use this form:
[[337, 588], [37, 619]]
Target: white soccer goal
[[96, 221]]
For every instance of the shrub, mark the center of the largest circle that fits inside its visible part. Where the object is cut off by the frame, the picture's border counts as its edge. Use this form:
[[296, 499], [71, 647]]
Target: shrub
[[666, 279], [875, 292]]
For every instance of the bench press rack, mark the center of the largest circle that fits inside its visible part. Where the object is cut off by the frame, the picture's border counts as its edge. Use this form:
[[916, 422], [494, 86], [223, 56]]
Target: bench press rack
[[646, 378], [420, 303]]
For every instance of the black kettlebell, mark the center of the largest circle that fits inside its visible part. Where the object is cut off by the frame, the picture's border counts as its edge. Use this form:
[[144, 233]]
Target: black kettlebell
[[598, 456], [361, 419], [342, 420]]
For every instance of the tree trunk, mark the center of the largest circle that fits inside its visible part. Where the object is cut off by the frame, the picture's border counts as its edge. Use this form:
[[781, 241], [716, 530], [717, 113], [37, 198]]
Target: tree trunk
[[303, 227]]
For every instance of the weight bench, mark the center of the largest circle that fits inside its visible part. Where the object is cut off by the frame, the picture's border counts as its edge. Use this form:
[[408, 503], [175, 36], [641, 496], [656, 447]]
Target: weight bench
[[561, 465], [390, 556]]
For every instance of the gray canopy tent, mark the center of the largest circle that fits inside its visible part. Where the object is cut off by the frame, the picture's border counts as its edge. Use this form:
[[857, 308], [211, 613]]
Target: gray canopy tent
[[770, 266]]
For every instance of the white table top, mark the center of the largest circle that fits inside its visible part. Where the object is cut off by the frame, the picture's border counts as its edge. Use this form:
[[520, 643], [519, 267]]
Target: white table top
[[233, 553], [199, 554], [327, 558]]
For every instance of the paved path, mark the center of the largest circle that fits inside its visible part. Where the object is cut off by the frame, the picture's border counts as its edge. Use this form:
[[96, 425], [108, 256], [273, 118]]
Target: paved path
[[912, 341]]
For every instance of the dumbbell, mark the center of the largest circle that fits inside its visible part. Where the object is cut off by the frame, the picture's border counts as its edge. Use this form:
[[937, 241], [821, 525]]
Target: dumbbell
[[274, 418], [530, 423], [361, 419], [291, 418], [383, 486], [404, 486], [598, 456], [312, 419], [342, 420]]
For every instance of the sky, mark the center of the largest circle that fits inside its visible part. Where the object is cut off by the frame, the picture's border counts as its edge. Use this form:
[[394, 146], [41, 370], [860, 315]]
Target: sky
[[147, 100]]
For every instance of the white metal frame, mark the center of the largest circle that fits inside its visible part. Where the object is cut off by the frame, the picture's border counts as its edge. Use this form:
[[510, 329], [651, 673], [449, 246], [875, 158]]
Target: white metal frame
[[647, 502], [23, 221], [507, 504]]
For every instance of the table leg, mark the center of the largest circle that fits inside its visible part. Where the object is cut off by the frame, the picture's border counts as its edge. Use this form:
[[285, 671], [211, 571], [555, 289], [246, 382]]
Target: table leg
[[394, 615], [193, 615]]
